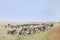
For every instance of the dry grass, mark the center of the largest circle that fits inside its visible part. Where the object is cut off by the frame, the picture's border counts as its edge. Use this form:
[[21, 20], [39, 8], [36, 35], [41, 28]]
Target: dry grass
[[37, 36]]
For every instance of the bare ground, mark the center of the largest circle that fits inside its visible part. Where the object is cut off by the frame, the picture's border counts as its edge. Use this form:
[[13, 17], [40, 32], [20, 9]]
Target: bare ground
[[56, 33]]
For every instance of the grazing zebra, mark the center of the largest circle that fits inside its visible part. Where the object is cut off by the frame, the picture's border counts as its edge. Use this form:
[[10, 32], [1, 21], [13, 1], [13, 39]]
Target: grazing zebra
[[12, 32]]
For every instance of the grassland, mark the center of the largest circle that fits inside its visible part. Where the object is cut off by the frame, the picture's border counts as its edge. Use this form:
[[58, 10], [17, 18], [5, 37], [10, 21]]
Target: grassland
[[37, 36], [42, 35]]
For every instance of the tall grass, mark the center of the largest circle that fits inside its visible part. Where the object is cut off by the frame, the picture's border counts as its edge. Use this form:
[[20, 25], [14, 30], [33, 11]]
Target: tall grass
[[42, 35]]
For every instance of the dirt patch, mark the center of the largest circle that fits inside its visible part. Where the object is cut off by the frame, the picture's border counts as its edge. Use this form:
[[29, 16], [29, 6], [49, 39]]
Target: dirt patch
[[56, 34]]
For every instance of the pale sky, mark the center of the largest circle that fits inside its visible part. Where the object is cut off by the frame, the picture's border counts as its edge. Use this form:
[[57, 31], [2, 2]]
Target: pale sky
[[29, 10]]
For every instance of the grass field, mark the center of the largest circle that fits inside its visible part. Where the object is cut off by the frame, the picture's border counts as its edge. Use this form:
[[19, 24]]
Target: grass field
[[42, 35], [37, 36]]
